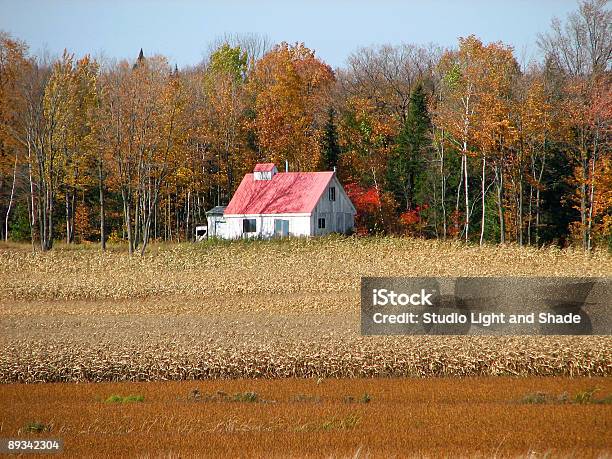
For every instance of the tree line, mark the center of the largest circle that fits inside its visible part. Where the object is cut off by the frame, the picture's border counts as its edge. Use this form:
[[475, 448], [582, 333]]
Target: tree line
[[461, 143]]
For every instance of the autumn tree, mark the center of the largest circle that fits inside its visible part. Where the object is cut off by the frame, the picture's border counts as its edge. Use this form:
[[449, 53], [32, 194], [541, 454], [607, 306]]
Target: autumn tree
[[223, 116], [472, 110], [581, 48], [387, 75], [374, 93], [582, 45], [587, 110], [71, 99], [290, 86], [12, 65], [366, 137], [145, 104], [495, 133]]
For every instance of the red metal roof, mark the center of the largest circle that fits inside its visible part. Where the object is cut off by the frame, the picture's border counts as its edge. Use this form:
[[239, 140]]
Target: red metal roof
[[264, 167], [287, 192]]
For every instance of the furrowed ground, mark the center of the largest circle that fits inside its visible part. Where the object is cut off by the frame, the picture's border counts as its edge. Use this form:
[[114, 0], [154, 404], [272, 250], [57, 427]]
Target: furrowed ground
[[261, 309]]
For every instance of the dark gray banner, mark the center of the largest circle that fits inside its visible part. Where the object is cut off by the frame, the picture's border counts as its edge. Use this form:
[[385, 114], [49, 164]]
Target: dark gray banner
[[486, 306]]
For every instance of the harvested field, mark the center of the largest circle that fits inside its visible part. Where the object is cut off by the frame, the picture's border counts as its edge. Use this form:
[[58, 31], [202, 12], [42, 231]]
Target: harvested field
[[145, 348], [260, 310], [443, 417], [310, 267]]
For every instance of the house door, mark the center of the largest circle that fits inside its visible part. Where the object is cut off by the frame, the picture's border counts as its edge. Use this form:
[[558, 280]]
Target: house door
[[339, 223], [281, 227], [219, 229]]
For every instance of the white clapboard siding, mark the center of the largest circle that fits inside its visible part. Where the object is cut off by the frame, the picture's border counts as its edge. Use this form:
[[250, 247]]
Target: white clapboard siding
[[299, 225]]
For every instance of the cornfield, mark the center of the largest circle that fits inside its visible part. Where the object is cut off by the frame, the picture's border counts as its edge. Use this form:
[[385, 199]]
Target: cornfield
[[274, 309]]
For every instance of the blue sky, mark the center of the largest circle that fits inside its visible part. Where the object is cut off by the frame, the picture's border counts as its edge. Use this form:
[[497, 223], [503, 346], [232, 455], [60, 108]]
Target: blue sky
[[181, 30]]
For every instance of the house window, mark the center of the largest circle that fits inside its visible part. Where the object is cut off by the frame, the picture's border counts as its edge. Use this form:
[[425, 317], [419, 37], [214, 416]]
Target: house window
[[249, 225], [321, 223], [332, 193], [281, 227]]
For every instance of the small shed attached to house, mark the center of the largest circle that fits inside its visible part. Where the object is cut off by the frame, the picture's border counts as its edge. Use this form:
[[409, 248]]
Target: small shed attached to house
[[269, 203], [216, 222]]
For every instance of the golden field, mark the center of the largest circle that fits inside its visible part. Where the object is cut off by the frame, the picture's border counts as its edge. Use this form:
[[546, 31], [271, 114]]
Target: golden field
[[369, 418], [261, 310]]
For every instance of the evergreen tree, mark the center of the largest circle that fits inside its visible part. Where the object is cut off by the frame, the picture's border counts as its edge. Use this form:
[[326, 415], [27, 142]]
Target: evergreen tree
[[20, 224], [406, 165], [330, 148]]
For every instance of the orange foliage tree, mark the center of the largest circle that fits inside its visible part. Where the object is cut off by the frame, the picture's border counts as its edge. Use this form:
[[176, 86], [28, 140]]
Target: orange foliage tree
[[472, 109], [290, 87]]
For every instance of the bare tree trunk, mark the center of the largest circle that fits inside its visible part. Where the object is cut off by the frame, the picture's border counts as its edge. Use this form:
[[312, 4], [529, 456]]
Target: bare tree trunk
[[499, 179], [458, 200], [467, 198], [74, 203], [539, 182], [42, 209], [443, 187], [49, 239], [583, 203], [187, 233], [482, 185], [67, 200], [592, 188], [530, 215], [136, 236], [32, 208], [128, 220], [169, 219], [50, 197], [178, 224], [520, 211], [464, 151], [591, 197], [155, 221], [101, 197], [537, 224], [147, 228], [8, 211]]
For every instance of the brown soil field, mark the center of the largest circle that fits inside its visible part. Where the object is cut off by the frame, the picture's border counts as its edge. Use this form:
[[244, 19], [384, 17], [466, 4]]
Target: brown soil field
[[262, 309], [409, 417]]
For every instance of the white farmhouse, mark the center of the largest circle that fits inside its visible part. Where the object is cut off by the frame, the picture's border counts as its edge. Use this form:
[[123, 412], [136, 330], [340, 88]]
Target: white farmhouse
[[268, 203]]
